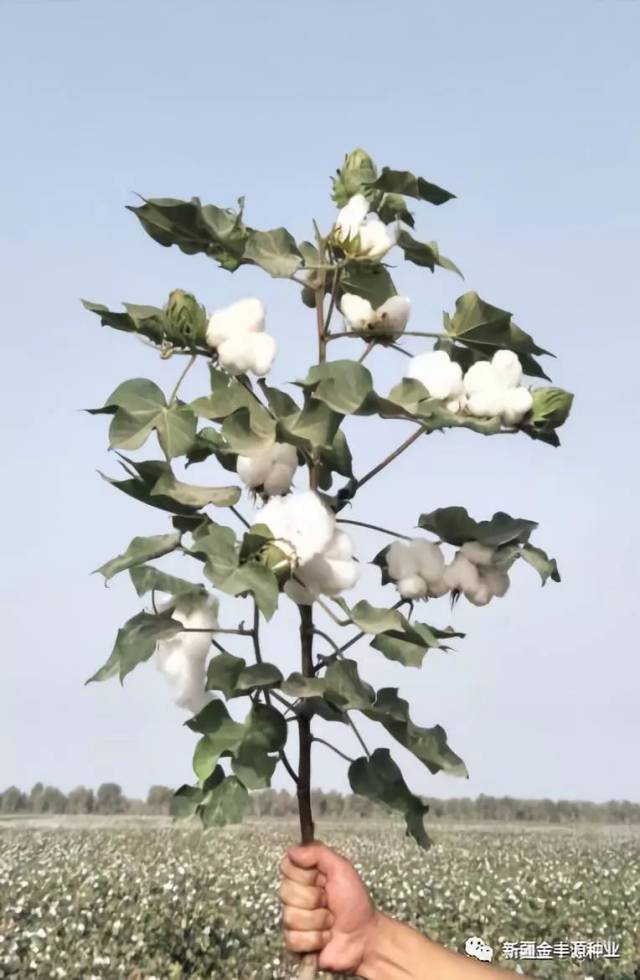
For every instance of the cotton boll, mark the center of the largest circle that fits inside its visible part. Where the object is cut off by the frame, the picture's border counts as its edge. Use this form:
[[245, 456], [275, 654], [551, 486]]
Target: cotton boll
[[392, 317], [441, 376], [438, 589], [479, 554], [236, 354], [302, 520], [263, 352], [350, 217], [328, 573], [340, 547], [461, 575], [401, 561], [182, 657], [429, 559], [278, 480], [298, 593], [254, 470], [486, 404], [496, 580], [376, 238], [357, 312], [245, 316], [480, 596], [507, 366], [285, 453], [517, 403], [481, 376], [412, 587]]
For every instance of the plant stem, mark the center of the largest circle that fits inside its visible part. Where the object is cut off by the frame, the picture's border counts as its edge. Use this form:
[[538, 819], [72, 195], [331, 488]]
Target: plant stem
[[394, 455], [255, 632], [304, 730], [366, 351], [240, 517], [325, 636], [374, 527], [183, 373], [332, 301], [357, 734], [333, 748]]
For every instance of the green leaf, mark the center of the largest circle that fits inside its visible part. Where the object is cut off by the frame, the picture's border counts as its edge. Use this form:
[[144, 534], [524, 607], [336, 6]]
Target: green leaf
[[258, 677], [139, 551], [205, 758], [185, 801], [138, 406], [298, 686], [379, 779], [249, 433], [423, 254], [373, 619], [274, 251], [215, 722], [253, 768], [146, 578], [429, 745], [336, 459], [314, 427], [546, 567], [404, 182], [367, 279], [136, 642], [223, 673], [217, 546], [216, 232], [143, 479], [225, 804], [147, 321], [551, 407], [356, 176], [265, 728], [454, 526], [395, 637], [393, 207], [227, 395], [194, 496], [259, 581], [209, 442], [342, 385], [280, 402], [345, 689]]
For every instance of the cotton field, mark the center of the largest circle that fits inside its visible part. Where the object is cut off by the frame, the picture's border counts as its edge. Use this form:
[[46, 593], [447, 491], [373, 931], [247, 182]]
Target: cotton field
[[162, 902]]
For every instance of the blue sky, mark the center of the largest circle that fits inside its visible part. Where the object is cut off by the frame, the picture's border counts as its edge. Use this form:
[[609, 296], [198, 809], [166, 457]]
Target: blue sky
[[528, 113]]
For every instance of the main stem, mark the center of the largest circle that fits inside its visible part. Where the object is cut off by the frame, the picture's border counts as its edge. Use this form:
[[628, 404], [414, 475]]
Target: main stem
[[309, 962]]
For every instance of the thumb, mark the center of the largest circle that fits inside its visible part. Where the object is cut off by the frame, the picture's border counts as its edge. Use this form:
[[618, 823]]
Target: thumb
[[316, 855]]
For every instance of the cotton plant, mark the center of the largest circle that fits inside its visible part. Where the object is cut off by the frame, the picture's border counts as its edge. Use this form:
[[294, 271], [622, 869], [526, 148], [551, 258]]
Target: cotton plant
[[272, 530]]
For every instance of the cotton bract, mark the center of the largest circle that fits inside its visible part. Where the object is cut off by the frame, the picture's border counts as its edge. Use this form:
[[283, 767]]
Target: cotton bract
[[182, 658], [271, 471], [441, 376], [237, 334], [417, 566], [361, 232], [359, 315]]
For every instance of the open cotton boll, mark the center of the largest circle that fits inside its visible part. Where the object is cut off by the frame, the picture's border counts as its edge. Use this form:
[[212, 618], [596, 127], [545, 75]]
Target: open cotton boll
[[429, 559], [412, 587], [272, 470], [182, 658], [486, 404], [508, 368], [357, 312], [236, 354], [517, 403], [401, 561], [480, 596], [392, 317], [479, 554], [254, 470], [480, 377], [376, 238], [438, 589], [441, 376], [245, 316], [328, 573], [302, 521], [461, 575], [496, 579], [350, 217], [263, 352], [278, 480]]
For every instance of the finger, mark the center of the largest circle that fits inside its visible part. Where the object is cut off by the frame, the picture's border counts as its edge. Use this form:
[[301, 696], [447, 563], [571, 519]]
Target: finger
[[306, 942], [302, 875], [320, 856], [305, 920], [321, 880], [302, 896]]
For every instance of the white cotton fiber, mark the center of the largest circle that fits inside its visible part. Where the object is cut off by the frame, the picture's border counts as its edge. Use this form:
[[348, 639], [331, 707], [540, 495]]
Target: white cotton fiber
[[479, 554], [182, 658], [357, 312], [517, 403], [441, 376], [245, 316], [461, 575], [300, 519]]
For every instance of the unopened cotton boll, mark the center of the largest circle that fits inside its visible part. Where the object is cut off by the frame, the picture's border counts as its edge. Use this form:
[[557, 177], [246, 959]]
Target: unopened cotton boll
[[300, 520], [479, 554], [441, 376], [182, 657], [245, 316], [516, 404], [461, 575]]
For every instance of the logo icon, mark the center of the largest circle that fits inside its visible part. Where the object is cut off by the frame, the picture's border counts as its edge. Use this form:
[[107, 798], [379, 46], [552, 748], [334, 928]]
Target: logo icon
[[478, 949]]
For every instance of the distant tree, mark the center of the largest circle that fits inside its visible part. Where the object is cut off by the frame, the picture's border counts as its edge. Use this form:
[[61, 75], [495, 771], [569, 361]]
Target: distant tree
[[109, 799], [80, 800], [36, 798], [158, 799], [13, 800]]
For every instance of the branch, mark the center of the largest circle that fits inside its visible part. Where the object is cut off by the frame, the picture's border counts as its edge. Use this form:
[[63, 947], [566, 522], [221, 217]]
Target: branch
[[366, 351], [394, 455], [240, 517], [216, 629], [374, 527], [183, 373], [325, 636], [357, 734], [333, 748]]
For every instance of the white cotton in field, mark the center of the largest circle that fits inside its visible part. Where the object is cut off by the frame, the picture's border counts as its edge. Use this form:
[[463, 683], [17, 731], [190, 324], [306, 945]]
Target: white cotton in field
[[517, 403], [441, 376], [438, 589], [253, 470], [401, 562], [376, 238], [253, 352], [480, 377], [245, 316], [479, 596], [272, 470], [263, 353], [479, 554], [328, 573], [486, 404]]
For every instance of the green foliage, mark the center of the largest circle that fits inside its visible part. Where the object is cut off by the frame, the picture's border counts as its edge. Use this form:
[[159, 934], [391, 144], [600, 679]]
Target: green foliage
[[274, 251], [551, 407], [379, 779], [453, 525], [138, 407], [403, 182], [136, 642], [139, 551], [428, 255]]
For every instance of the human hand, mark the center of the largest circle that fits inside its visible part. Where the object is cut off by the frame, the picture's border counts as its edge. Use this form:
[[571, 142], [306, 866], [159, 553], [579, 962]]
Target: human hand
[[327, 908]]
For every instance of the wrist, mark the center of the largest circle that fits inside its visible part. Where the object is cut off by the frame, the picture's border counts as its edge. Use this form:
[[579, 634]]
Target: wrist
[[380, 959]]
